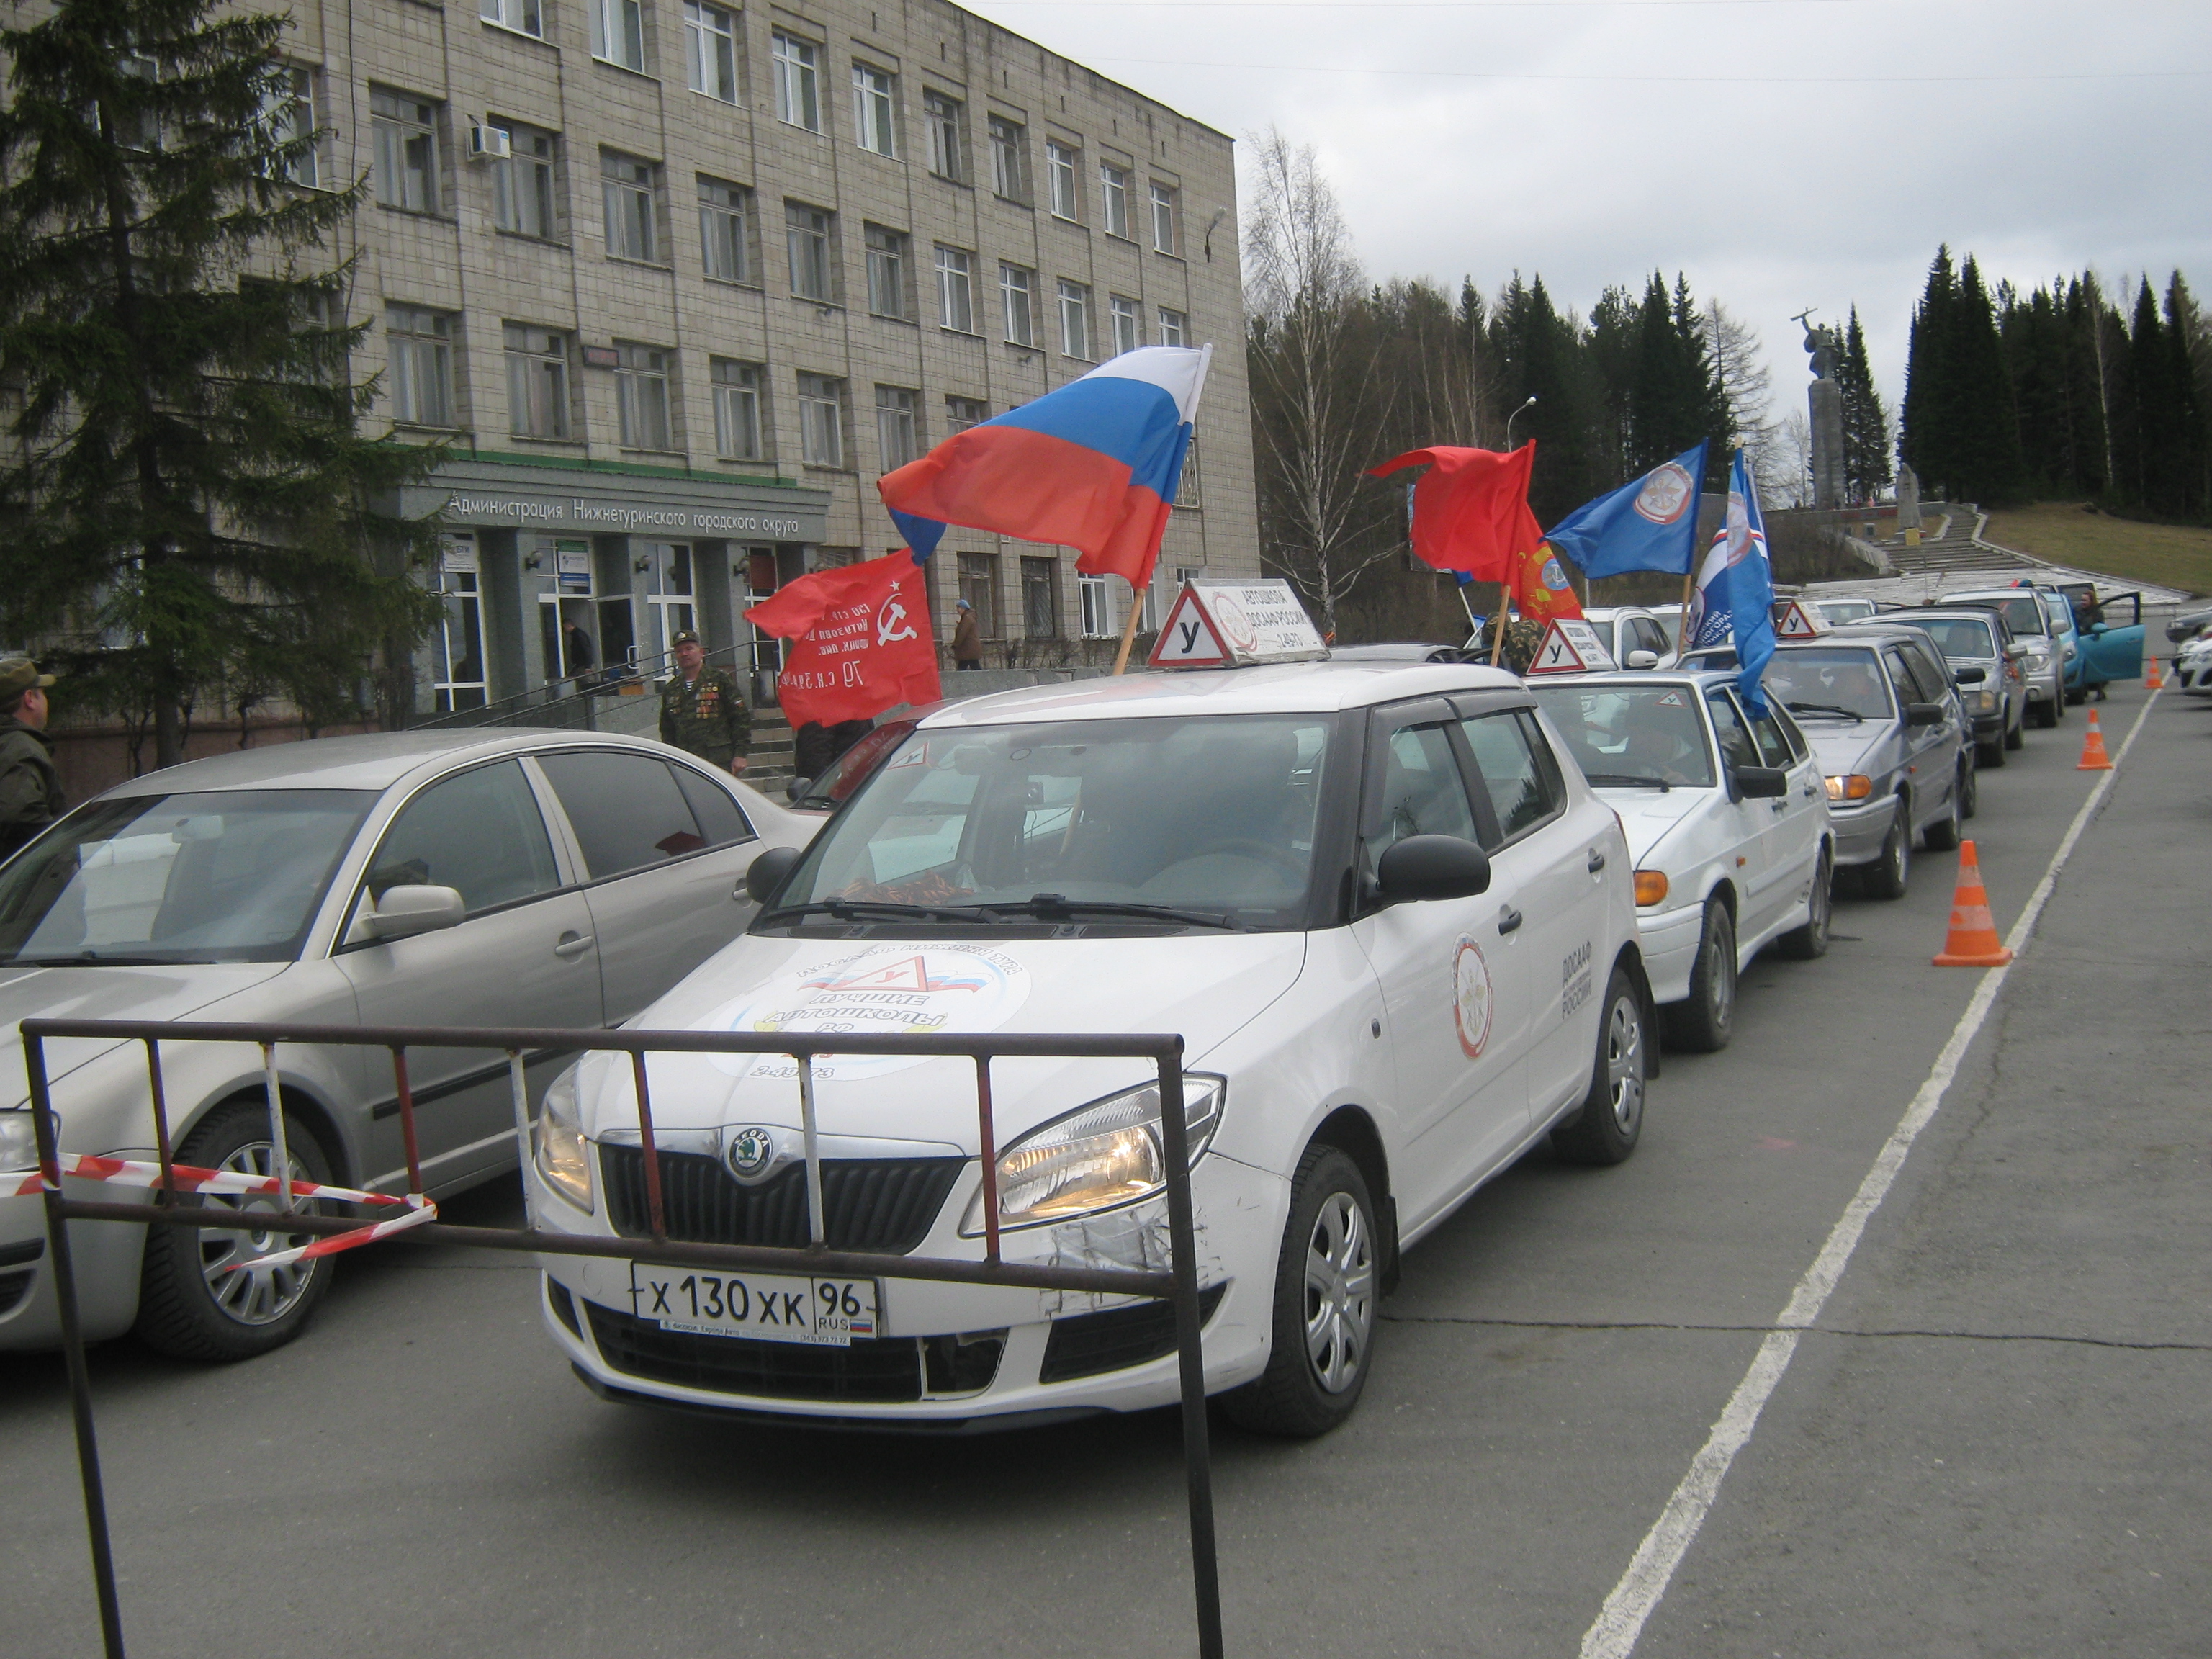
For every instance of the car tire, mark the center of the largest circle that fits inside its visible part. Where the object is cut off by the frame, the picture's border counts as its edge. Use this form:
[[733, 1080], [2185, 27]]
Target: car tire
[[2016, 736], [1704, 1023], [1327, 1305], [1992, 753], [189, 1305], [1810, 940], [1885, 878], [1969, 786], [1605, 1132]]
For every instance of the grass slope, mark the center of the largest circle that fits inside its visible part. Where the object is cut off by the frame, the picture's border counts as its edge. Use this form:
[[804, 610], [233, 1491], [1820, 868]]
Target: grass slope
[[2174, 555]]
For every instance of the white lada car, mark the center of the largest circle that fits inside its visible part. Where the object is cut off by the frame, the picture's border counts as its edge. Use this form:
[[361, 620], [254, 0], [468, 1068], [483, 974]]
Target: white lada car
[[1726, 816], [1397, 934]]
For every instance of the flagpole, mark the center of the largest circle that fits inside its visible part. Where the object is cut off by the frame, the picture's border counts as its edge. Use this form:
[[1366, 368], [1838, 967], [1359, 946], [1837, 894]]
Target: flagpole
[[1129, 629], [1505, 600]]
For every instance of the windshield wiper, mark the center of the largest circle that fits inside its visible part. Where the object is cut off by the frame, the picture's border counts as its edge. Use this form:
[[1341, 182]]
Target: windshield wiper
[[845, 909], [97, 959], [1628, 780], [1836, 709], [1048, 905]]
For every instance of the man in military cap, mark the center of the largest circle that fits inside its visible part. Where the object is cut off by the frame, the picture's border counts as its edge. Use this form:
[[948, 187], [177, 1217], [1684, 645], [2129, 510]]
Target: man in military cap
[[703, 711], [30, 793]]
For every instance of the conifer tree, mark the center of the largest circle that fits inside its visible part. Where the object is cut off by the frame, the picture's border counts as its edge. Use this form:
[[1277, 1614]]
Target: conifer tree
[[1865, 423], [1927, 437], [189, 478], [1989, 461], [2192, 464]]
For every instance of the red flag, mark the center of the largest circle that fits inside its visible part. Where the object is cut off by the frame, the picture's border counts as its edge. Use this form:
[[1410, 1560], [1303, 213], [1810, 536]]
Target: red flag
[[862, 641], [1470, 509], [1540, 586]]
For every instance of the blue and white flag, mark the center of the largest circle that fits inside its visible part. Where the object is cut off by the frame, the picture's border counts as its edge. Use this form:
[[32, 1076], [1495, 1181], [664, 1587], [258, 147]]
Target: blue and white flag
[[1649, 523], [1736, 589]]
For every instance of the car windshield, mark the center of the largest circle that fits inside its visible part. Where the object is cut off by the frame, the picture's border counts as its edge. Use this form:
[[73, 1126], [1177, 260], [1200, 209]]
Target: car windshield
[[1828, 683], [228, 876], [850, 769], [1625, 738], [1211, 816], [1670, 623], [1969, 636], [2021, 613]]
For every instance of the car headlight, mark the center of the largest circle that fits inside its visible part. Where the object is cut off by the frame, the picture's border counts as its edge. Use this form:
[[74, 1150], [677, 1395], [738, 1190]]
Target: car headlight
[[1098, 1156], [1986, 701], [563, 1156], [1852, 786], [19, 1141]]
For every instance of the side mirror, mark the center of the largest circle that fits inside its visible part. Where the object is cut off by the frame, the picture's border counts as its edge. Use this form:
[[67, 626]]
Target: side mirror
[[1923, 713], [2101, 628], [2015, 649], [1433, 867], [796, 790], [766, 873], [403, 912], [1762, 782], [1643, 659], [1969, 676]]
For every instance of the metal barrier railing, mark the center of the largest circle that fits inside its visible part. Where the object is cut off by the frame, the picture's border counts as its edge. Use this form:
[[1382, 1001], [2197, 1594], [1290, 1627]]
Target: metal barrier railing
[[1178, 1285]]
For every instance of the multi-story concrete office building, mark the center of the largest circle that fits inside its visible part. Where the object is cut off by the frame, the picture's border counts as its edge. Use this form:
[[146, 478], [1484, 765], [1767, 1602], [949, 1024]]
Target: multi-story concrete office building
[[678, 281]]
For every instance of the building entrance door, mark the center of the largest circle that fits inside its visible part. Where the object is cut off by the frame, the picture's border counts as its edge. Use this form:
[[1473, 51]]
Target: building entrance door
[[570, 653], [670, 603], [459, 673]]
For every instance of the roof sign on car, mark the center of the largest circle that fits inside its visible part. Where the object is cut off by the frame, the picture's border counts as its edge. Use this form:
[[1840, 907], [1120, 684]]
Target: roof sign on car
[[1216, 624], [1796, 621], [1572, 646]]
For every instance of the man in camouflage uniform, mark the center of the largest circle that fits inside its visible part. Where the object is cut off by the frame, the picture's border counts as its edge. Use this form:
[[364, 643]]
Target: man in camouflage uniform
[[30, 795], [1523, 639], [702, 710]]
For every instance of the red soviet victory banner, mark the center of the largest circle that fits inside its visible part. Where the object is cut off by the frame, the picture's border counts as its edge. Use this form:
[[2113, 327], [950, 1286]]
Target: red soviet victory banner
[[861, 641], [1541, 586]]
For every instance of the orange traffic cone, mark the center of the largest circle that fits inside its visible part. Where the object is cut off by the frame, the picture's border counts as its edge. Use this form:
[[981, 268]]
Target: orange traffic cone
[[2094, 757], [2154, 680], [1973, 942]]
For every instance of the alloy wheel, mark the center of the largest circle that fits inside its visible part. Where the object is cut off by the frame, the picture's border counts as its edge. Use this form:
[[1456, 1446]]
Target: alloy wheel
[[240, 1290], [1340, 1292], [1624, 1064]]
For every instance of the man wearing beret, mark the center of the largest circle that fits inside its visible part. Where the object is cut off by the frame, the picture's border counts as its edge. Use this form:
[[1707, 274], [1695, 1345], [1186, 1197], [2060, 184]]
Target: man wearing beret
[[30, 793], [702, 710]]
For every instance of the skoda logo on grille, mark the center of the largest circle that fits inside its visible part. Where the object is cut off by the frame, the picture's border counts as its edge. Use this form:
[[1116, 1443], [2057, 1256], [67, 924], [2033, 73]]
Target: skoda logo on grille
[[750, 1153]]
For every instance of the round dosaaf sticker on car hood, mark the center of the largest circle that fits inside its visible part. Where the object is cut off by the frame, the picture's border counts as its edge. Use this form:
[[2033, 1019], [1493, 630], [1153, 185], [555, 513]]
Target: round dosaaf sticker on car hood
[[890, 990]]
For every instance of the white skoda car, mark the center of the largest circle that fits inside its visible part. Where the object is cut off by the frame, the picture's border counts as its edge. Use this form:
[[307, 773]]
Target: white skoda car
[[1396, 933]]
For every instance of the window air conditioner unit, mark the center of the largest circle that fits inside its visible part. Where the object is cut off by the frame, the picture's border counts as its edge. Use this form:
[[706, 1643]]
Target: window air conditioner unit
[[489, 144]]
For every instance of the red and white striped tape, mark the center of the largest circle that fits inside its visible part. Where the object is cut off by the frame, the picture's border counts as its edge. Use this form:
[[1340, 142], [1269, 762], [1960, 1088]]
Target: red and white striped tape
[[132, 1172]]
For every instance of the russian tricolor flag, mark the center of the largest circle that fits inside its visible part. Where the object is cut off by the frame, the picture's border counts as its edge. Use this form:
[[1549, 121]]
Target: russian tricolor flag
[[1092, 465]]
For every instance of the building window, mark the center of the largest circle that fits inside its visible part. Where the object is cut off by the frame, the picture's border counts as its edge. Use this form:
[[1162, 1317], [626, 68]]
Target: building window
[[896, 427], [536, 382], [627, 187], [956, 297], [1165, 198], [961, 413], [807, 229], [872, 109], [1010, 168], [641, 395], [1174, 328], [1074, 319], [710, 50], [618, 32], [1014, 288], [979, 585], [737, 410], [524, 16], [522, 182], [726, 214], [1187, 491], [797, 99], [405, 162], [1126, 333], [821, 420], [1113, 195], [1097, 609], [1060, 165], [421, 346], [289, 112], [948, 157], [1040, 598], [887, 272]]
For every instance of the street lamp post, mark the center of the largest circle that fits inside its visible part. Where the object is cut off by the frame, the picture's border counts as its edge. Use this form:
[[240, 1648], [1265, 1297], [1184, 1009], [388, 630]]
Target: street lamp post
[[1516, 416]]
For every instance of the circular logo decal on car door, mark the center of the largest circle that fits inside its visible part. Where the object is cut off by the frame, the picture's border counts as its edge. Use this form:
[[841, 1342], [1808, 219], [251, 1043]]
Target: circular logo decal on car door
[[1470, 997]]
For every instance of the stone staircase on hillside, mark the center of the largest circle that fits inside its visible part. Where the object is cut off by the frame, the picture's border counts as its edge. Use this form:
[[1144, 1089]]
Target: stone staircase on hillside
[[1950, 543]]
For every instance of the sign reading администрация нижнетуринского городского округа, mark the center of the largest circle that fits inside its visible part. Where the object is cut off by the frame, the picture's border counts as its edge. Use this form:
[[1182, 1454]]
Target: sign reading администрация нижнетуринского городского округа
[[578, 513]]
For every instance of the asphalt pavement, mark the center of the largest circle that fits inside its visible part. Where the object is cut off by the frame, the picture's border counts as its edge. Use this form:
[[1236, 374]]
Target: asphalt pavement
[[1996, 1439]]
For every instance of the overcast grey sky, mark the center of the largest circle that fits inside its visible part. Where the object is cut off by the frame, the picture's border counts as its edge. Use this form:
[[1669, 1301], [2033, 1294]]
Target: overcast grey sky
[[1783, 153]]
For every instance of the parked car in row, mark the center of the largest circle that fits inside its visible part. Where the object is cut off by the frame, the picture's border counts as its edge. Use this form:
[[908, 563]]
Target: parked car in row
[[1984, 661], [2030, 615]]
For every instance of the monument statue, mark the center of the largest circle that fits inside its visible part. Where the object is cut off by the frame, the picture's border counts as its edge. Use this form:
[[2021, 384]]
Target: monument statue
[[1824, 405]]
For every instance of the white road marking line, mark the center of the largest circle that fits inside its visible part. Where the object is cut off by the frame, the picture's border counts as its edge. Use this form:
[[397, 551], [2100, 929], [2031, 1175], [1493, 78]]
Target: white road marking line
[[1621, 1621]]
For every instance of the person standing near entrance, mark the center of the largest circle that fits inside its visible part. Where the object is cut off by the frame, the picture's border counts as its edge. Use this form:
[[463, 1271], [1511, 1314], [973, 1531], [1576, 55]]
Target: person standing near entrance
[[577, 656], [702, 710], [30, 793], [967, 639]]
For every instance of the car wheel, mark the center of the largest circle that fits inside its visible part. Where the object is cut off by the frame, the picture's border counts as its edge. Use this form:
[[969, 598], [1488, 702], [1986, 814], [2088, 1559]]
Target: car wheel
[[2057, 704], [1327, 1280], [1612, 1118], [191, 1303], [1804, 943], [2016, 735], [1886, 876], [1969, 786], [1704, 1024]]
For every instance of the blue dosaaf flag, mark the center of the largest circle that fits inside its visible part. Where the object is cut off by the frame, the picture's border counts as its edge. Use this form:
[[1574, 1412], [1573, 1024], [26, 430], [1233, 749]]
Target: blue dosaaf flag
[[1736, 589], [1649, 523]]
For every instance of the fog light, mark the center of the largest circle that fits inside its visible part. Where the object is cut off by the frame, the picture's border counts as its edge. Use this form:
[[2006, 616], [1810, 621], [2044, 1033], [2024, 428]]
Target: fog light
[[1651, 886]]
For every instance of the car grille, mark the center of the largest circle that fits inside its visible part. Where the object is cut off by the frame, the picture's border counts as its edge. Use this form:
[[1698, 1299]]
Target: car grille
[[1088, 1345], [884, 1204], [876, 1370]]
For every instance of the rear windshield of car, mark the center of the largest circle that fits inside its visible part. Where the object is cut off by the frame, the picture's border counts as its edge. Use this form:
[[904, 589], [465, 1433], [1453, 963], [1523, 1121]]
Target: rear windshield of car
[[1625, 738], [2022, 615], [228, 876], [1966, 637], [1818, 683], [1843, 611]]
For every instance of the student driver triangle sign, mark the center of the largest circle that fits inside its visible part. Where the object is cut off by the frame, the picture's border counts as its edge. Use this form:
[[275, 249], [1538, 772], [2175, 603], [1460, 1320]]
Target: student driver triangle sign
[[1188, 639], [1571, 646]]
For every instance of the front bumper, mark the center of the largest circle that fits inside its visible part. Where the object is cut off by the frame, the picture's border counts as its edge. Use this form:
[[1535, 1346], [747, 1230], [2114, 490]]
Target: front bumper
[[1862, 828], [105, 1254], [1668, 941], [933, 1347]]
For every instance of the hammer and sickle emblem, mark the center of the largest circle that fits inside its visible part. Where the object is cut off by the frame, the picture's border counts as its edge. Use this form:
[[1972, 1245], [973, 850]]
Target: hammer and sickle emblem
[[892, 625]]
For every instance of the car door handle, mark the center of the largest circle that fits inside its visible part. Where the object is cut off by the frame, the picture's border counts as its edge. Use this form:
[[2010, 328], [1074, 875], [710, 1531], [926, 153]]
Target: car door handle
[[572, 946], [1596, 859], [1808, 792], [1508, 918]]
